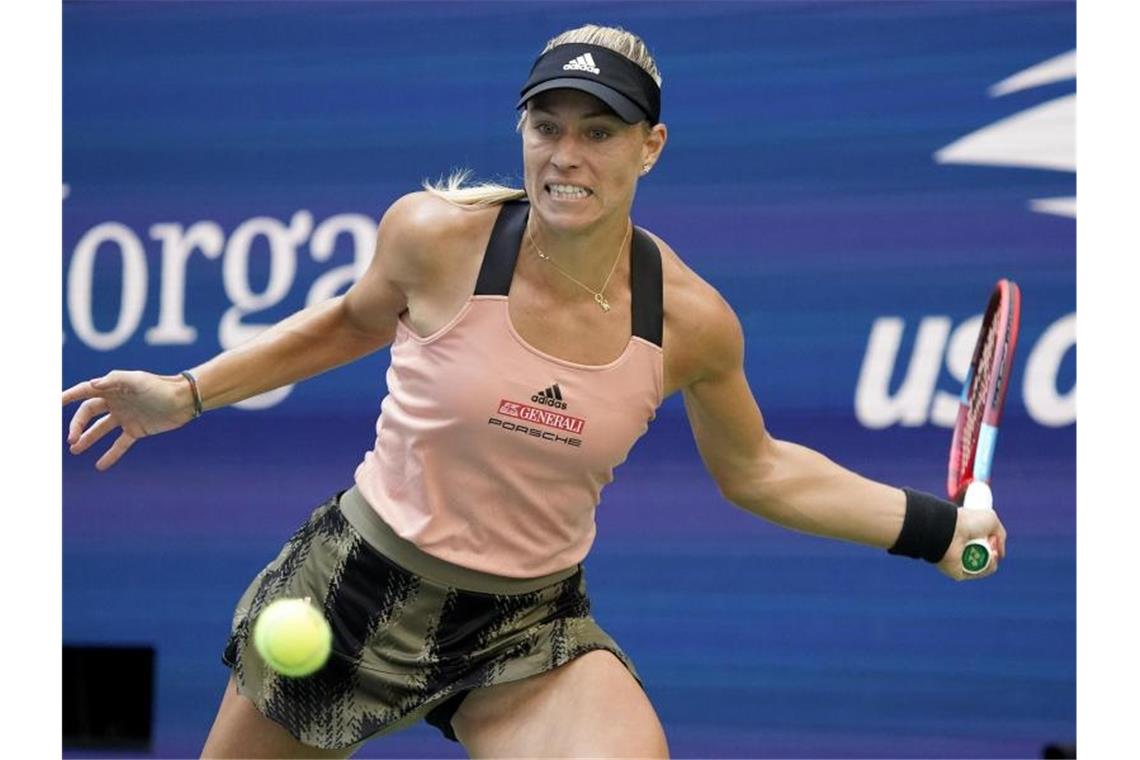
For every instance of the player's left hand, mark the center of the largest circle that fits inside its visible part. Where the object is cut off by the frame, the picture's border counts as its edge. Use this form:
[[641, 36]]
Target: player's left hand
[[974, 523]]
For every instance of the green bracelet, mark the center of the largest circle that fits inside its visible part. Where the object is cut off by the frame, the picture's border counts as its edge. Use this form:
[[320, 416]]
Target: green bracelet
[[193, 389]]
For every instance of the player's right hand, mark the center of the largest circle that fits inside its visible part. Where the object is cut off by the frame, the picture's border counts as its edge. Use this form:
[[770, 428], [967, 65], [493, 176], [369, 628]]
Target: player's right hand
[[140, 403], [972, 524]]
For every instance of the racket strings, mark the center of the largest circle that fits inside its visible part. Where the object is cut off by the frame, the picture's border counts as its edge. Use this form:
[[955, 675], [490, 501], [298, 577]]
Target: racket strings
[[977, 398]]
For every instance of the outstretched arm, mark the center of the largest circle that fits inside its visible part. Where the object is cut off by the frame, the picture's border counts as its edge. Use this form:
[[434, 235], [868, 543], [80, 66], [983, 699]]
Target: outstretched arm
[[787, 483], [316, 339]]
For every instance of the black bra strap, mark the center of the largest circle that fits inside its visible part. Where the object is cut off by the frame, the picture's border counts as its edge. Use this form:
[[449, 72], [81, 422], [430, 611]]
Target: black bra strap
[[646, 286], [646, 303], [498, 266]]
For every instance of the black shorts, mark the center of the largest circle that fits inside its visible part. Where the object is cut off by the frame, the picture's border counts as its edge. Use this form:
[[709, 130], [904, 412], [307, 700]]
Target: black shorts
[[412, 634]]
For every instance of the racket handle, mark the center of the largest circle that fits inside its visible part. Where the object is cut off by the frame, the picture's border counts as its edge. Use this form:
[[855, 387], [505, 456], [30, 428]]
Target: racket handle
[[976, 554]]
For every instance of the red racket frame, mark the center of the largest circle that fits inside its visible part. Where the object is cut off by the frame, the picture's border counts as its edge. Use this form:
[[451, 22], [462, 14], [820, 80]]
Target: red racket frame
[[1003, 315]]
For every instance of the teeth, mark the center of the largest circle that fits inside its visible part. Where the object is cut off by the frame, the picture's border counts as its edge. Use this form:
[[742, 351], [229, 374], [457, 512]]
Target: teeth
[[569, 191]]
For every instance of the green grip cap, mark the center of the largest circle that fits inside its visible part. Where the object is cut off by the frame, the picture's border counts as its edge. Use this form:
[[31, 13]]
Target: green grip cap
[[975, 557]]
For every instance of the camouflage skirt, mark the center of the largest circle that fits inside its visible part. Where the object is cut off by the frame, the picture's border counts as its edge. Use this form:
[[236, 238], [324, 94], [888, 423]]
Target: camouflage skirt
[[412, 634]]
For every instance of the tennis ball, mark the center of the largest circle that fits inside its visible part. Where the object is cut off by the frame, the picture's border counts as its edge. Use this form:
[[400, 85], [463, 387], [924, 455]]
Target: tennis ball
[[292, 637]]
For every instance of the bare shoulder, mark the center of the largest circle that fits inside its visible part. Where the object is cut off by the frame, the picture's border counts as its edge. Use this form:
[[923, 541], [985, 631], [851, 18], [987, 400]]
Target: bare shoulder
[[426, 214], [422, 233], [702, 336], [427, 255]]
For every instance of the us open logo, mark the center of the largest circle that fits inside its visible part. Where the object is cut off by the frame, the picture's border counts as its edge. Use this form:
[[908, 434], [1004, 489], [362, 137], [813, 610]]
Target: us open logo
[[1040, 137]]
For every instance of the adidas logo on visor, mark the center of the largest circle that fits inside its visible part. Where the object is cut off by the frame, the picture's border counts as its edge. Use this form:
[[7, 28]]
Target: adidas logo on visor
[[583, 63]]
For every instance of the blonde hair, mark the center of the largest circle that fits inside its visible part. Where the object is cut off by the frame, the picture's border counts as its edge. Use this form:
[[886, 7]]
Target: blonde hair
[[484, 194], [473, 196]]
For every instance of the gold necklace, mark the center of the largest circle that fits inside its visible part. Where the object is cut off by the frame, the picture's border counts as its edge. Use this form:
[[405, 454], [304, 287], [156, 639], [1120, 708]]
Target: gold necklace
[[599, 295]]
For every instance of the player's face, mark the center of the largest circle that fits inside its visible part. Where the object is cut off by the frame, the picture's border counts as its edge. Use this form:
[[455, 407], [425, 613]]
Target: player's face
[[581, 162]]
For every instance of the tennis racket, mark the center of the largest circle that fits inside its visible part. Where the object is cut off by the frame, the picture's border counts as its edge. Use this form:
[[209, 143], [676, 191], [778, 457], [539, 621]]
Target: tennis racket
[[983, 396]]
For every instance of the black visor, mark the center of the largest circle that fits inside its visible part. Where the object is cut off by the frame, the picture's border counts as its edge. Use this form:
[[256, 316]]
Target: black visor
[[610, 77]]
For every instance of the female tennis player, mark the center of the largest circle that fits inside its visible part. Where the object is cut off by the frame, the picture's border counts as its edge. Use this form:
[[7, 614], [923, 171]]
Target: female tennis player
[[533, 333]]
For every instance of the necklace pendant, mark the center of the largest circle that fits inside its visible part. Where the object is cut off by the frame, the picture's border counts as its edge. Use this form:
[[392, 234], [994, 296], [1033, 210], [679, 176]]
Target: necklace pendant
[[601, 300]]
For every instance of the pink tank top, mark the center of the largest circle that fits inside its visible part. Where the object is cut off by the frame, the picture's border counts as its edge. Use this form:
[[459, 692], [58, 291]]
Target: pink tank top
[[491, 454]]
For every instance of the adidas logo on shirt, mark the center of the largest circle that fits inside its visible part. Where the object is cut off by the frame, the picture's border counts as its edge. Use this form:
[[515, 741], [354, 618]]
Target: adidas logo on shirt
[[583, 62], [551, 396]]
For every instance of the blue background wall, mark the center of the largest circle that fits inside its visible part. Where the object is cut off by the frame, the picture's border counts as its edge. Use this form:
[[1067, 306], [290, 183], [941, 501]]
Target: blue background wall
[[799, 179]]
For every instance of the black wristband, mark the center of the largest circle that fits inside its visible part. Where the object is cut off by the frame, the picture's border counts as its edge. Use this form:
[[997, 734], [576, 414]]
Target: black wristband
[[928, 527]]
